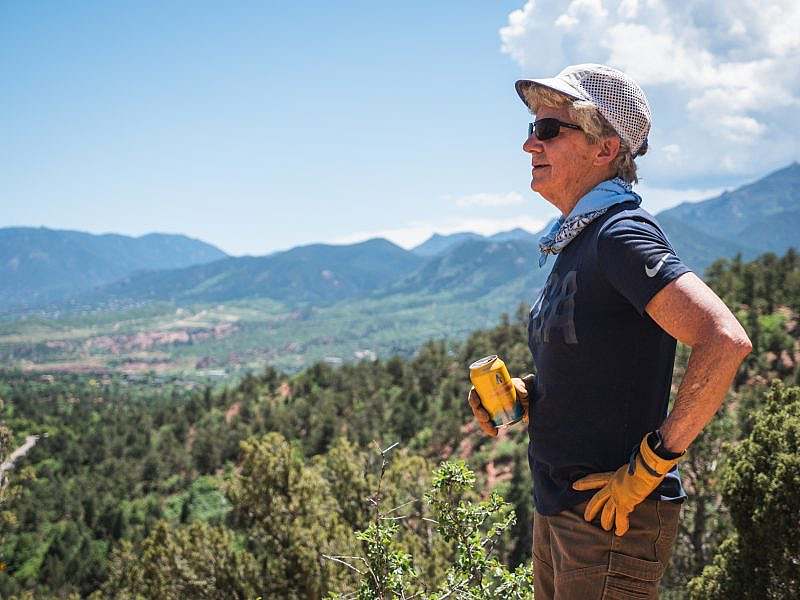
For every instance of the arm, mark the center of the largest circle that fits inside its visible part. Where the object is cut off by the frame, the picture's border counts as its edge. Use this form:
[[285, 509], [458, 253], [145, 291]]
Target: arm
[[692, 313], [642, 266]]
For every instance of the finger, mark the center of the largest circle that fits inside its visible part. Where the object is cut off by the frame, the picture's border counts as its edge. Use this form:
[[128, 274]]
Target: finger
[[481, 416], [607, 518], [473, 398], [477, 407], [488, 428], [524, 403], [519, 385], [485, 423], [593, 481], [621, 522], [595, 504]]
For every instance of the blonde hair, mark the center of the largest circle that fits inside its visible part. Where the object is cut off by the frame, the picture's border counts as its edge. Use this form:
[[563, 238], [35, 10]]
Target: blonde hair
[[588, 118]]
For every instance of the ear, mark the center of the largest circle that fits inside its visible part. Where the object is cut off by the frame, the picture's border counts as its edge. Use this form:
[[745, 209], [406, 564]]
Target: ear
[[607, 150]]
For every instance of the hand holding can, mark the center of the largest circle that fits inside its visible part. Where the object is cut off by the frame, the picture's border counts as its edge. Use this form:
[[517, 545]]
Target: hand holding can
[[496, 399]]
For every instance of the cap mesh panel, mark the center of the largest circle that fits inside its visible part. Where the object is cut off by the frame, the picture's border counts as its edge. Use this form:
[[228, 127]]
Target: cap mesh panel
[[619, 99]]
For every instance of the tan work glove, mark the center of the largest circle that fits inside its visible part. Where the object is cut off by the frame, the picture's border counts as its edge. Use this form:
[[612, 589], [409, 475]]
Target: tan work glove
[[482, 417], [623, 489]]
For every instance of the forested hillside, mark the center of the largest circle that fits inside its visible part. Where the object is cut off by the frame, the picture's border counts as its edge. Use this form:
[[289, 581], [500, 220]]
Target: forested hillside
[[169, 490]]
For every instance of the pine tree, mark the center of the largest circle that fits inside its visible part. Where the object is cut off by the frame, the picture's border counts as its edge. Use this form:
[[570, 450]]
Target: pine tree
[[199, 562], [761, 487], [291, 519]]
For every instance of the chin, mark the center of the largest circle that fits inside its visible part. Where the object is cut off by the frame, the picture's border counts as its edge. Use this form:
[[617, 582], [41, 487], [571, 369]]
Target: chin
[[537, 187]]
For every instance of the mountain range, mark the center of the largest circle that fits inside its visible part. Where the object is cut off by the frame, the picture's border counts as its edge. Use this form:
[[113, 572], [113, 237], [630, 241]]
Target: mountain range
[[41, 265], [313, 273]]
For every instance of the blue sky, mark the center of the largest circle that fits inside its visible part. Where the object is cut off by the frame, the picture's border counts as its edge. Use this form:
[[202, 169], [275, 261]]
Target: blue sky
[[260, 126]]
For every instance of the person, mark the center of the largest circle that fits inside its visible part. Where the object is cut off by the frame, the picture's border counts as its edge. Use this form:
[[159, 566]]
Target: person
[[602, 449]]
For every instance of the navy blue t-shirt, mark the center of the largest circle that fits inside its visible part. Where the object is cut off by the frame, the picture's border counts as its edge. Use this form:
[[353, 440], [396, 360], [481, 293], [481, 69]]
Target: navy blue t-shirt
[[603, 366]]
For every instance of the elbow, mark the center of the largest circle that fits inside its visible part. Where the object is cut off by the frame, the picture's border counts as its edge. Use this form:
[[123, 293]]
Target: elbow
[[744, 347], [729, 341], [738, 344], [747, 347]]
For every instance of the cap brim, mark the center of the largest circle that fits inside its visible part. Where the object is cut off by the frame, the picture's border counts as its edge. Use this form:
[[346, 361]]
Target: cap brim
[[557, 85]]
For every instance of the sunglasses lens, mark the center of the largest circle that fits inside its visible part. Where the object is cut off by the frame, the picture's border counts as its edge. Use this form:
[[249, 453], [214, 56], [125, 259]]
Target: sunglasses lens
[[546, 128]]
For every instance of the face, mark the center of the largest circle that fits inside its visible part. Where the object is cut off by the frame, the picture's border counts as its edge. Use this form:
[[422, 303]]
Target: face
[[564, 165]]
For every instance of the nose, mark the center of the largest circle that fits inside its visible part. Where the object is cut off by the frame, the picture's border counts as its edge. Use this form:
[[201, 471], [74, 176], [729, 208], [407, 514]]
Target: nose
[[532, 144]]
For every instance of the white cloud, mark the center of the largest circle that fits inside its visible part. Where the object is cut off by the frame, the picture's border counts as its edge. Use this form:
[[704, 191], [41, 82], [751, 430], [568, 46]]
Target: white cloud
[[566, 21], [413, 234], [737, 28], [741, 129], [672, 152], [524, 48], [489, 200], [628, 9], [580, 11], [722, 75]]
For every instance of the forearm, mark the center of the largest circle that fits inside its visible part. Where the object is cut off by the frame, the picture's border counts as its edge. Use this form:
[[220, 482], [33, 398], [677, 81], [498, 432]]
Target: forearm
[[709, 373]]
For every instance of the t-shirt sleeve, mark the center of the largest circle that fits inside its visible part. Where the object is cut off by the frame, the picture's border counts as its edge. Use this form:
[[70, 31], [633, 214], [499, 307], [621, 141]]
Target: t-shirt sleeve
[[638, 260]]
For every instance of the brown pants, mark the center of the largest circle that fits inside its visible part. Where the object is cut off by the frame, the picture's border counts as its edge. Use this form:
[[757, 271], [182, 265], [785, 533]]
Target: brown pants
[[573, 559]]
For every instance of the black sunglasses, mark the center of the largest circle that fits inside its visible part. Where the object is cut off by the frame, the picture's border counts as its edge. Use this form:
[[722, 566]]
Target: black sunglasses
[[547, 129]]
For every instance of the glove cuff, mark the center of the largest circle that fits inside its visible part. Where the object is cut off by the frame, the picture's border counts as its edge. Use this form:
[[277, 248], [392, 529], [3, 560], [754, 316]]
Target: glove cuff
[[656, 465], [656, 442]]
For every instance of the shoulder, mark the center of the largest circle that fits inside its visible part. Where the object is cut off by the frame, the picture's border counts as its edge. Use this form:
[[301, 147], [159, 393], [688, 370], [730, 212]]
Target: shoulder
[[629, 227], [629, 218]]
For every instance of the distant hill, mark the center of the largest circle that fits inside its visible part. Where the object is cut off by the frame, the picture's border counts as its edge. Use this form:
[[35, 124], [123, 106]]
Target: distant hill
[[763, 216], [437, 243], [774, 233], [40, 264], [515, 234], [475, 267], [760, 204], [314, 273], [697, 248]]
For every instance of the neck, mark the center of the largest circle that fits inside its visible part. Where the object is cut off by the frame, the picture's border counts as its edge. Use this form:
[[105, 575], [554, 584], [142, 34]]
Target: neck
[[580, 188]]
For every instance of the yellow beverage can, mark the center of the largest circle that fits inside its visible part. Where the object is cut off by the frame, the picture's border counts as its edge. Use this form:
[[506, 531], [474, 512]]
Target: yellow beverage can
[[498, 395]]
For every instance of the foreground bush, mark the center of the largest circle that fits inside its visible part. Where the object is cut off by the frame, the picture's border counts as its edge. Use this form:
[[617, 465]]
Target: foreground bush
[[472, 528], [761, 487]]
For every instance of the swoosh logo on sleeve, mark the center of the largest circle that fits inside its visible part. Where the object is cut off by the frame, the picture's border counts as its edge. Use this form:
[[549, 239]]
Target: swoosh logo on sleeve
[[652, 272]]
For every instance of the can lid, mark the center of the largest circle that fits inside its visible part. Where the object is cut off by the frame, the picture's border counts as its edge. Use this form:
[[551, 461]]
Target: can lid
[[482, 362]]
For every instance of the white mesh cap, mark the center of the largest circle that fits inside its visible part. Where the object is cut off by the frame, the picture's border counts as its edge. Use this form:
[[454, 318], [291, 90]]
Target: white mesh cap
[[618, 98]]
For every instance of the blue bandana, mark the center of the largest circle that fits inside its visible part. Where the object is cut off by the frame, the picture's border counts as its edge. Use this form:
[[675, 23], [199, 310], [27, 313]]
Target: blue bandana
[[599, 199]]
